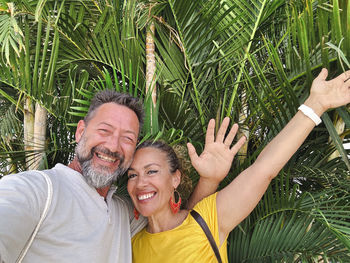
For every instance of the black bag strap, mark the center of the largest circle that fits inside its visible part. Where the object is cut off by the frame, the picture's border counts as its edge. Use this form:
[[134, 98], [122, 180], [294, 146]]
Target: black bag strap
[[207, 232]]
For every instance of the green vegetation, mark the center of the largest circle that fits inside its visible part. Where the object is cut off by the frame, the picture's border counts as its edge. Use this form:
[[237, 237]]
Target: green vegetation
[[251, 60]]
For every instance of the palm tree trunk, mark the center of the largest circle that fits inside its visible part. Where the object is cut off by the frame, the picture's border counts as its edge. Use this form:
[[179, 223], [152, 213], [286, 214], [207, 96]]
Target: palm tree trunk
[[151, 90], [39, 134], [151, 63], [28, 130], [243, 131]]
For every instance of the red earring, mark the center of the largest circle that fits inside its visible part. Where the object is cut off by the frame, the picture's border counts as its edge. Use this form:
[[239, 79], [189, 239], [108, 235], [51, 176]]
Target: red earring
[[175, 207], [136, 214]]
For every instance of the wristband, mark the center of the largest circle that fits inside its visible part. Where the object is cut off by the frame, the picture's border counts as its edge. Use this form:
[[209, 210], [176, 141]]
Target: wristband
[[310, 113]]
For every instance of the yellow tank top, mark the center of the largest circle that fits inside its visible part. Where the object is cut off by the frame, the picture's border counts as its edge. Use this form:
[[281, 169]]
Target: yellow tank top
[[185, 243]]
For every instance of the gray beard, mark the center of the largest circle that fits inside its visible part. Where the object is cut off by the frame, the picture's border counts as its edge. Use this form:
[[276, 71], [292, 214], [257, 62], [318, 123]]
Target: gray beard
[[97, 177]]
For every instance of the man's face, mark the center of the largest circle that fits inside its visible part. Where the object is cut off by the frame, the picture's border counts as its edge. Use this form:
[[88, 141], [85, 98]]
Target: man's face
[[106, 144]]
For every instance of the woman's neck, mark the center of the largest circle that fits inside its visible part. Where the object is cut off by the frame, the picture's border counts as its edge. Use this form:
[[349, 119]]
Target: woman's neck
[[165, 221]]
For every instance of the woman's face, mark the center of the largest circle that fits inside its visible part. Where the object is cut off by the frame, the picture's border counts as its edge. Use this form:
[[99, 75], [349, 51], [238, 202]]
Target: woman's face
[[151, 184]]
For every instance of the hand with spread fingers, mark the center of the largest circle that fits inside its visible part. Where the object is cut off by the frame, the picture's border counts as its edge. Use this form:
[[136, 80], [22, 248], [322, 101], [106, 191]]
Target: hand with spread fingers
[[329, 94], [215, 161]]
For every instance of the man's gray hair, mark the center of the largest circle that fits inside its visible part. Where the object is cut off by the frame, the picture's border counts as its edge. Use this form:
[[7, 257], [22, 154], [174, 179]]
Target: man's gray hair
[[124, 99]]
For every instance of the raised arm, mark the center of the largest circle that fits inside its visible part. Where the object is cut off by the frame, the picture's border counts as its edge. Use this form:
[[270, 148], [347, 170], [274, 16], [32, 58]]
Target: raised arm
[[239, 198], [215, 161]]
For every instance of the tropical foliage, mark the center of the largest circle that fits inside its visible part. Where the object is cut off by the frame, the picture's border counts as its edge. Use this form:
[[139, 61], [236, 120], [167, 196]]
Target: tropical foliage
[[251, 60]]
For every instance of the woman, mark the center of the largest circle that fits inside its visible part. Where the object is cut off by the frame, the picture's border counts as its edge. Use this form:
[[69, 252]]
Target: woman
[[173, 235]]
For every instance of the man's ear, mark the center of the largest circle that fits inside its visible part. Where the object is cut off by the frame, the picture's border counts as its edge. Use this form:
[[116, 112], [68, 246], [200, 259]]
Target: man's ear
[[176, 178], [80, 130]]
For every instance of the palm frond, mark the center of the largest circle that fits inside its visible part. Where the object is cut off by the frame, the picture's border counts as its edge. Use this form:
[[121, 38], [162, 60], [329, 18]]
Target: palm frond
[[290, 226]]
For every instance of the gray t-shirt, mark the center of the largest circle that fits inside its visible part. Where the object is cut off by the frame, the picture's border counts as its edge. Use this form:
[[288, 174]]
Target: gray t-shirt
[[80, 225]]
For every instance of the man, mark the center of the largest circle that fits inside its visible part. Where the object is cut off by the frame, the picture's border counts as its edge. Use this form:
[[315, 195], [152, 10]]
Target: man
[[85, 222]]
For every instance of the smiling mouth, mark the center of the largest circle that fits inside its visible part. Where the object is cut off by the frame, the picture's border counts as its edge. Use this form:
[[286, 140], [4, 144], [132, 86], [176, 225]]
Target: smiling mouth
[[146, 196], [106, 158]]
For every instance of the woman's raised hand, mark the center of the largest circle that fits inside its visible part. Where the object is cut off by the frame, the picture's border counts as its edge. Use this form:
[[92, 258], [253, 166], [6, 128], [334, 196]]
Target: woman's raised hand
[[326, 94], [215, 161]]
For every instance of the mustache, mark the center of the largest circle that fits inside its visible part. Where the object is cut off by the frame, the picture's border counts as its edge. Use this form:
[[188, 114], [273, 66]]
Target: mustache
[[103, 150]]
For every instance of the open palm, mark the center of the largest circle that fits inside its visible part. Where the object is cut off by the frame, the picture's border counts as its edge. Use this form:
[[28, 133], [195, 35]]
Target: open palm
[[332, 93], [216, 159]]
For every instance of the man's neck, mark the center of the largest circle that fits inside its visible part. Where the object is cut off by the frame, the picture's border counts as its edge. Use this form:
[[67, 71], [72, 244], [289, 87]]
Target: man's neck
[[75, 165], [103, 191]]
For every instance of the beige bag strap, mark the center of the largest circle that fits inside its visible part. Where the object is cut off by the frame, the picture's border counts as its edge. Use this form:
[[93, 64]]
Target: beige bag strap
[[43, 216]]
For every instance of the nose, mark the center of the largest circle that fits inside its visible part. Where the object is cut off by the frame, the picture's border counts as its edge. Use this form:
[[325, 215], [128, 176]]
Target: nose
[[113, 144], [141, 181]]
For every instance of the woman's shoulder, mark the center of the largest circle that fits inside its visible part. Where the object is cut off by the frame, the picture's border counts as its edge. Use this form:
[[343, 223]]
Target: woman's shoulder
[[207, 208], [207, 203]]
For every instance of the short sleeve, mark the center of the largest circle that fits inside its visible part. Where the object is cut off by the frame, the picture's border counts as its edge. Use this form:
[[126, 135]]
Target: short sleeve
[[207, 209]]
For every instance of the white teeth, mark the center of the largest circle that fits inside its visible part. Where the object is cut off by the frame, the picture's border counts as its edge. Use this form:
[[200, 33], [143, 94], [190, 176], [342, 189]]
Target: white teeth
[[106, 158], [145, 196]]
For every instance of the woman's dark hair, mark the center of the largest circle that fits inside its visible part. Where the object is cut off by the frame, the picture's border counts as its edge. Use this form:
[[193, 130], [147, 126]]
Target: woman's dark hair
[[177, 161]]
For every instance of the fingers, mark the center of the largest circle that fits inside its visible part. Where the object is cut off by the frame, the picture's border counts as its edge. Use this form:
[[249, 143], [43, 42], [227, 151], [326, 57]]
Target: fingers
[[235, 148], [222, 130], [220, 137], [209, 136], [192, 152], [231, 135], [323, 74], [347, 90], [345, 76]]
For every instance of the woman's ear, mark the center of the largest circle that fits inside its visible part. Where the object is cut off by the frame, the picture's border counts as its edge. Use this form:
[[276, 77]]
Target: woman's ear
[[80, 130], [176, 178]]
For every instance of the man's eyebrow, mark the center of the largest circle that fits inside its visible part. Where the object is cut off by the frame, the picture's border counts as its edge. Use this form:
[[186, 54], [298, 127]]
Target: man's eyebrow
[[105, 123], [129, 131]]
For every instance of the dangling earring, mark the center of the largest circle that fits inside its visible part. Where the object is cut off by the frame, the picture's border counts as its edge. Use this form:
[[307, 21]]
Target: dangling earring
[[175, 207], [136, 214]]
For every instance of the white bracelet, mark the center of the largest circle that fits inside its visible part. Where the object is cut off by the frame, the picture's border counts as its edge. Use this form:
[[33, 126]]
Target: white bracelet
[[310, 113]]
